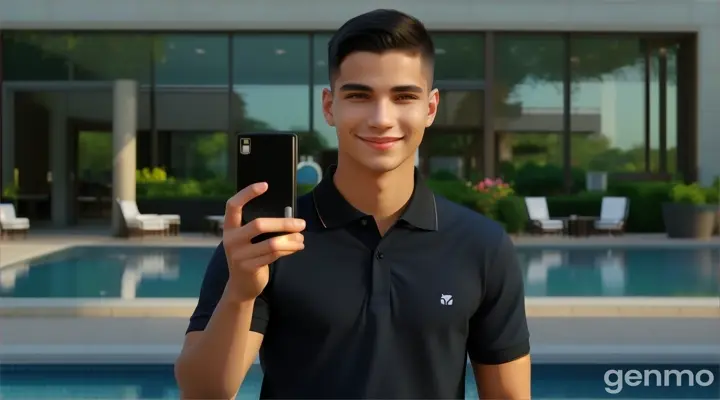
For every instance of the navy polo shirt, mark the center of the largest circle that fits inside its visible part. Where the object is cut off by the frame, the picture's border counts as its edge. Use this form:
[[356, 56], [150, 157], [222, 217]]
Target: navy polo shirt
[[360, 315]]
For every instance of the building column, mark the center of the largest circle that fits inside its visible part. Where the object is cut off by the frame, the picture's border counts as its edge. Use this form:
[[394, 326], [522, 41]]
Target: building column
[[488, 142], [125, 98], [708, 98], [60, 186], [8, 140]]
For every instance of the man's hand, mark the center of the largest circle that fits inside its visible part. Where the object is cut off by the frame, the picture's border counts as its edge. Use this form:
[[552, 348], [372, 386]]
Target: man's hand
[[248, 262]]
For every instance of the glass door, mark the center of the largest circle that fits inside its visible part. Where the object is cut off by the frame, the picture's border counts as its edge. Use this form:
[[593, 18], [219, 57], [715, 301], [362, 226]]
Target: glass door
[[453, 145]]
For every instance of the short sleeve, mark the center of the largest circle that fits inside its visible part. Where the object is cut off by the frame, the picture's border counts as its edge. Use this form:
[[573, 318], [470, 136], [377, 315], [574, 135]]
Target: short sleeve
[[498, 330], [213, 286]]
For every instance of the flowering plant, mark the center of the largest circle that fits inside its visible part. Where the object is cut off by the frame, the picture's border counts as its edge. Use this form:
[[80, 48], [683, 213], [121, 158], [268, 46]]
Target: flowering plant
[[491, 191], [496, 187]]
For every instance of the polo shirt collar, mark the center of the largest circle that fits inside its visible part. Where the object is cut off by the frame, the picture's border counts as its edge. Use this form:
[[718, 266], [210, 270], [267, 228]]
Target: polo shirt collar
[[334, 211]]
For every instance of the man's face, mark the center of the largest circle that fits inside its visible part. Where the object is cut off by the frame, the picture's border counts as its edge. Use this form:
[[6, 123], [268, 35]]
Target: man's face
[[380, 107]]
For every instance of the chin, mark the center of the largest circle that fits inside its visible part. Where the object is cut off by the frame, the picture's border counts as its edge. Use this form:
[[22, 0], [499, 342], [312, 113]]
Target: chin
[[380, 165]]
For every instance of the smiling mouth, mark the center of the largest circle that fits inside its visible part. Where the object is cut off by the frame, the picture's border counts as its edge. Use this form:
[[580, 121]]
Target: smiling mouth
[[380, 140], [380, 143]]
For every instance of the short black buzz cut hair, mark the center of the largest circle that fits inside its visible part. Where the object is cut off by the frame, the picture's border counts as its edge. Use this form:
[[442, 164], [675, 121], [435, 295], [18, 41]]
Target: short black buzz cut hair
[[379, 31]]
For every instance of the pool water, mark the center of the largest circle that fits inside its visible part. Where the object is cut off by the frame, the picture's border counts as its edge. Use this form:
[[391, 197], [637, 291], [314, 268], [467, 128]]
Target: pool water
[[130, 382], [146, 272]]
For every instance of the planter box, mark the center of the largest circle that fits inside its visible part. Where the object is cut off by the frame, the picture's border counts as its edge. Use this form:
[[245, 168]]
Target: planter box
[[192, 211], [689, 220]]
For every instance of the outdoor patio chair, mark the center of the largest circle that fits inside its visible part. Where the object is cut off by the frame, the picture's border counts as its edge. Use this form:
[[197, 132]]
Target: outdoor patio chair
[[172, 220], [539, 216], [613, 213], [10, 223], [141, 224]]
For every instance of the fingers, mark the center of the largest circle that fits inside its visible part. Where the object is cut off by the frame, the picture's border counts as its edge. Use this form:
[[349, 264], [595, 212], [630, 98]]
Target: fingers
[[233, 207], [268, 251], [267, 225]]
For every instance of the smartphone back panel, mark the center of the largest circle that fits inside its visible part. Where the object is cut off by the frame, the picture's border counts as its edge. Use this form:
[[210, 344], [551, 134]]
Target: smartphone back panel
[[268, 157]]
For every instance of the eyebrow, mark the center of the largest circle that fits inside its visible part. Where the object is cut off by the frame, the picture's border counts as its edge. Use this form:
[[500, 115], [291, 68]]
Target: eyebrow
[[358, 87]]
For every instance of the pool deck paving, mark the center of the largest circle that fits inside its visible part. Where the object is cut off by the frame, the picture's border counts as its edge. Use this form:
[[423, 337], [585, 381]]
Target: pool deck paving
[[554, 340], [151, 330]]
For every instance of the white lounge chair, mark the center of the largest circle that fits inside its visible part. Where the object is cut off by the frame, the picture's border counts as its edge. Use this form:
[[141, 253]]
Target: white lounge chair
[[613, 213], [10, 223], [539, 216], [140, 224]]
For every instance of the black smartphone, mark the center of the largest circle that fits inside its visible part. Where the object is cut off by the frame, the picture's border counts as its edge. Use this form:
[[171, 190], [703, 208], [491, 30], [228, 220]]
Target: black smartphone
[[270, 157]]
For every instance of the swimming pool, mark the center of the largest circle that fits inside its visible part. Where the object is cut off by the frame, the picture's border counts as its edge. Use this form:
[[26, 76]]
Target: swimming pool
[[125, 272], [130, 382]]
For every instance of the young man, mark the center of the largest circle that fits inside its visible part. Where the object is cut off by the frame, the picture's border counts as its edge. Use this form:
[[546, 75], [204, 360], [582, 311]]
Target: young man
[[388, 288]]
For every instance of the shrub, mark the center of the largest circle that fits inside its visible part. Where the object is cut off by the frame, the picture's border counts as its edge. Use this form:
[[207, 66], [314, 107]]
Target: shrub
[[545, 180], [585, 204], [688, 194], [512, 213], [455, 190], [646, 199], [490, 192]]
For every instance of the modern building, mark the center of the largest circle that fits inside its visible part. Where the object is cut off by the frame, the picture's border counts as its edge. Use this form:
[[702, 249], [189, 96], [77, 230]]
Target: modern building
[[93, 90]]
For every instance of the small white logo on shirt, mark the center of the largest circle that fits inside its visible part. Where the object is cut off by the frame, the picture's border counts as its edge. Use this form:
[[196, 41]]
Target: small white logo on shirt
[[446, 299]]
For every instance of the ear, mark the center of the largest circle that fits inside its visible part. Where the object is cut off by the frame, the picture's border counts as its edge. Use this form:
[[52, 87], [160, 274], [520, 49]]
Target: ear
[[432, 107], [327, 103]]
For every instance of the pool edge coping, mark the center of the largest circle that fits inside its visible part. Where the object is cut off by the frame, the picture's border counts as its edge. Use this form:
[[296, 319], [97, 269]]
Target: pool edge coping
[[535, 307]]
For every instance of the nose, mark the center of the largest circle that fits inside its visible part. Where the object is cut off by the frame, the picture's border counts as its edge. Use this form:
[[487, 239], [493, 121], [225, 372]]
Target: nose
[[382, 116]]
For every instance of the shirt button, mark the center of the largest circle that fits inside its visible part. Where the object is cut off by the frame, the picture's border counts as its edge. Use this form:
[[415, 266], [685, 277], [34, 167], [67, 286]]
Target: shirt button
[[379, 255], [363, 222]]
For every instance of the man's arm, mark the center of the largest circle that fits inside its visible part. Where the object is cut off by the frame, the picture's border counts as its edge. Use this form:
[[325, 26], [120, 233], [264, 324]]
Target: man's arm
[[223, 338], [499, 340], [510, 380]]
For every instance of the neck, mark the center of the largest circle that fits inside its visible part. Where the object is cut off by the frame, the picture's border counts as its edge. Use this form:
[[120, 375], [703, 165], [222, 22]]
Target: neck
[[382, 195]]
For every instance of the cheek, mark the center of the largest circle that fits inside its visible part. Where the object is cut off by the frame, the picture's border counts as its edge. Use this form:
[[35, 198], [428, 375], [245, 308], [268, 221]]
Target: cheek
[[414, 118], [348, 115]]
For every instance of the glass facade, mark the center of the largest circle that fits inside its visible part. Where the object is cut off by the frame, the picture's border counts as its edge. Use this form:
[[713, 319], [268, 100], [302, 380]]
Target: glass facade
[[562, 102]]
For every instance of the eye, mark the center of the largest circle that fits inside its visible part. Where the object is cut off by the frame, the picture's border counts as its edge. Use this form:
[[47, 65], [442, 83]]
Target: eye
[[356, 96], [407, 97]]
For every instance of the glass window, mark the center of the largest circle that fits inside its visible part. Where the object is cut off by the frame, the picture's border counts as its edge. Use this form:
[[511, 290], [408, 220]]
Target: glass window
[[192, 60], [325, 133], [68, 56], [608, 104], [459, 57], [200, 156], [321, 81], [192, 94], [104, 57], [34, 56], [528, 121], [271, 86], [454, 143]]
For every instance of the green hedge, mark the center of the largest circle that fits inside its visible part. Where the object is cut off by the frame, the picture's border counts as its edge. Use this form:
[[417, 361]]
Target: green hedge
[[646, 200], [645, 213], [195, 189]]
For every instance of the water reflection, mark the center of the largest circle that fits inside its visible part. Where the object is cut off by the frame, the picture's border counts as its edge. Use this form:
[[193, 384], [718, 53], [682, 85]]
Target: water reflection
[[146, 266], [125, 273], [130, 273], [621, 272], [10, 274]]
